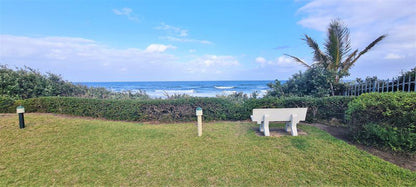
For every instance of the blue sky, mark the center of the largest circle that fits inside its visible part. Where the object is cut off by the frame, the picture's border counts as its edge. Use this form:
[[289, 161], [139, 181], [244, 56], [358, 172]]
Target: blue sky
[[198, 40]]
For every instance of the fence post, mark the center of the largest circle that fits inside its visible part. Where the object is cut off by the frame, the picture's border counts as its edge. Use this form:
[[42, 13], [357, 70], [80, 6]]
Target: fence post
[[382, 88], [369, 86], [398, 85], [362, 88], [410, 83], [414, 84], [355, 89]]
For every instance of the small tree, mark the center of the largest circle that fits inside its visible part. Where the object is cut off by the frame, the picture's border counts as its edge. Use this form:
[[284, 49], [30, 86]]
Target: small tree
[[337, 57]]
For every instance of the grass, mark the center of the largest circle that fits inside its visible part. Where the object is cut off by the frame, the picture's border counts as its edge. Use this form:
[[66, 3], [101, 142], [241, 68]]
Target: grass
[[55, 150]]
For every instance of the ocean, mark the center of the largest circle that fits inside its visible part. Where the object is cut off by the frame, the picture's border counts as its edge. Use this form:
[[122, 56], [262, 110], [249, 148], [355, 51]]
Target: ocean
[[194, 88]]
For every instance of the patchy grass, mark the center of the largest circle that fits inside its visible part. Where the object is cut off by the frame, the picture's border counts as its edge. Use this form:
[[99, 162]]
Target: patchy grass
[[55, 150]]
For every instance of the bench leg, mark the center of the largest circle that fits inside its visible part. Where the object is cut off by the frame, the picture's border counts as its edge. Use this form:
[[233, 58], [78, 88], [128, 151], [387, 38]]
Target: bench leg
[[266, 128], [261, 127], [266, 125], [293, 123], [287, 127]]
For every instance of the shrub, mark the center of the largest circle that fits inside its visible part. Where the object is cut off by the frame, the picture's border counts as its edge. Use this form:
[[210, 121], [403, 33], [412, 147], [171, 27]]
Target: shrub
[[385, 120], [6, 104], [27, 83], [316, 82], [183, 109], [134, 110]]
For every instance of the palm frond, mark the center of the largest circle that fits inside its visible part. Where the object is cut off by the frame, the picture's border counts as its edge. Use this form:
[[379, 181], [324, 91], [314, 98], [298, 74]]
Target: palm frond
[[319, 56], [299, 60], [346, 65], [371, 45], [337, 44]]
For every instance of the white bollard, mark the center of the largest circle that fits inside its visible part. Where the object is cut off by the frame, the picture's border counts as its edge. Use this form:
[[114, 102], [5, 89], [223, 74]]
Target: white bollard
[[199, 118]]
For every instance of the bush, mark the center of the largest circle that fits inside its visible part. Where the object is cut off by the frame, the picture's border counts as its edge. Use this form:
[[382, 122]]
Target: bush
[[315, 82], [6, 104], [27, 83], [386, 120], [134, 110], [183, 109]]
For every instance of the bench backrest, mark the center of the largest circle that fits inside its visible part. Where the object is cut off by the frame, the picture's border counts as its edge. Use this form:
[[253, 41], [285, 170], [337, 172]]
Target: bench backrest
[[278, 114]]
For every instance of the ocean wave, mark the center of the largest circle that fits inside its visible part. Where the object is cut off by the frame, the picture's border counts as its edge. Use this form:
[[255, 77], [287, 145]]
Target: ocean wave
[[176, 91], [228, 92], [224, 87]]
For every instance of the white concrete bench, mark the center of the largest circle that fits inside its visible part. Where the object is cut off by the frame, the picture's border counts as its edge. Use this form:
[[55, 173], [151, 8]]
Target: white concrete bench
[[291, 116]]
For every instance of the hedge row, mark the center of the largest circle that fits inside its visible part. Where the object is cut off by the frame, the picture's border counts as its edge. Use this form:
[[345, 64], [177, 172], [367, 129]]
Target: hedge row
[[385, 120], [178, 110], [323, 109]]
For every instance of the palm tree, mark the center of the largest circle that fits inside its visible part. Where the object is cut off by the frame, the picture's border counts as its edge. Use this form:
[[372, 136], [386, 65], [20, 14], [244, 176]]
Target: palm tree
[[337, 58]]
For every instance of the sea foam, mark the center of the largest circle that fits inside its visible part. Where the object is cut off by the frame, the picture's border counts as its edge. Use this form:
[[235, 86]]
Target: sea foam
[[224, 87]]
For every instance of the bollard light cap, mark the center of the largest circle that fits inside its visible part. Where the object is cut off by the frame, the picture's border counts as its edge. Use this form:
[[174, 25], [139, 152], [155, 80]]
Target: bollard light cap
[[20, 109], [199, 111]]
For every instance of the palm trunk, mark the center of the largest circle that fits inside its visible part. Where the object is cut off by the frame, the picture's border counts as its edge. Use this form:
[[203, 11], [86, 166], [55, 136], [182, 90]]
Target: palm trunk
[[332, 89]]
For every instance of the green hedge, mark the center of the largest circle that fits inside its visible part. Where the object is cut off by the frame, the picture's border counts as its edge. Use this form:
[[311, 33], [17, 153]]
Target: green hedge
[[134, 110], [329, 110], [177, 110], [6, 104], [385, 120]]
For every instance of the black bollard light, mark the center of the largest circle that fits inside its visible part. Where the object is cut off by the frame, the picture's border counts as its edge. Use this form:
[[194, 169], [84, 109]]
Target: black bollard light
[[20, 111]]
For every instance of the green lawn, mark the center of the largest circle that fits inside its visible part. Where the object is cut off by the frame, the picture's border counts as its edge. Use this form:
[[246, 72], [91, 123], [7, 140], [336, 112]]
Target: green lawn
[[55, 150]]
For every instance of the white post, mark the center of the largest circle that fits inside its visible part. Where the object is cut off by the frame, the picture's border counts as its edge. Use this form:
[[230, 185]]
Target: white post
[[287, 126], [261, 127], [293, 122], [199, 119], [266, 125]]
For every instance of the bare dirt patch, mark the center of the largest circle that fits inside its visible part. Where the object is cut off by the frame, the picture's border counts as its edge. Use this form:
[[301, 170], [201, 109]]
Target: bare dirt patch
[[404, 161]]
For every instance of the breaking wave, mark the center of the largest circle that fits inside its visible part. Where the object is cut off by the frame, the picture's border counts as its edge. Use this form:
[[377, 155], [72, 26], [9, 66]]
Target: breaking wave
[[224, 87]]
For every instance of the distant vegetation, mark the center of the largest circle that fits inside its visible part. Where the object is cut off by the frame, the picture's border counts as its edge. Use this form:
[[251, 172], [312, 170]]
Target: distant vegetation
[[25, 83]]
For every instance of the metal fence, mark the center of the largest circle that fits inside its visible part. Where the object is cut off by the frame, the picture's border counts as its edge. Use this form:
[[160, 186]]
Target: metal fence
[[405, 83]]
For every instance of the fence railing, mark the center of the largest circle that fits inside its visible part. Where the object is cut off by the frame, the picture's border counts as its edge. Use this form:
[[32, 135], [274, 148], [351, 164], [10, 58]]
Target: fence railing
[[405, 83]]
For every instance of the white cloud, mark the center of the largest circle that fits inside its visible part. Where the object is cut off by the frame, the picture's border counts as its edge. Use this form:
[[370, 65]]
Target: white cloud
[[282, 62], [173, 30], [214, 60], [79, 59], [367, 20], [260, 60], [82, 59], [128, 12], [185, 40], [192, 50], [393, 56], [123, 11], [158, 48], [177, 34], [208, 64], [285, 61]]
